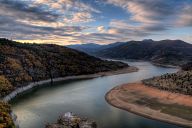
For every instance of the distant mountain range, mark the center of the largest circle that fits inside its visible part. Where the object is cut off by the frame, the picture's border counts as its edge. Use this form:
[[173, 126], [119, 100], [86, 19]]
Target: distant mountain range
[[92, 48], [164, 52]]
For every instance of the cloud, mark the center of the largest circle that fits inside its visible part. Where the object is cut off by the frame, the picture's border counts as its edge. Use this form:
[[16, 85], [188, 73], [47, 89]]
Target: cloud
[[100, 38], [185, 19], [80, 17], [147, 11], [41, 19], [165, 13], [118, 31], [47, 10], [16, 29], [101, 29], [70, 21], [122, 27], [23, 10]]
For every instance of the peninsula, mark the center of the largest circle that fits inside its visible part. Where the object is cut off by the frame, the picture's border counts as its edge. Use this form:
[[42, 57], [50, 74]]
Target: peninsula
[[166, 98]]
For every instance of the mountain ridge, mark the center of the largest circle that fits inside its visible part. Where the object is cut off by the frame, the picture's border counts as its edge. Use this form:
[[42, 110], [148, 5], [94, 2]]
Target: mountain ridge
[[92, 48], [163, 52]]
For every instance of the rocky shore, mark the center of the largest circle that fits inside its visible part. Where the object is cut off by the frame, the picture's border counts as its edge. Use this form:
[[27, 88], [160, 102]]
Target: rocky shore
[[70, 120], [20, 90], [14, 118]]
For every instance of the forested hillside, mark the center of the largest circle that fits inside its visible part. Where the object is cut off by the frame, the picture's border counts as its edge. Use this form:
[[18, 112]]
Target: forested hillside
[[168, 52], [180, 82], [24, 63]]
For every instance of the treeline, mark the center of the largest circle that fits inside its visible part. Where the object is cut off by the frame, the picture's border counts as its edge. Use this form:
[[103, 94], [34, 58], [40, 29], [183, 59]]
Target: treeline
[[180, 82], [23, 63]]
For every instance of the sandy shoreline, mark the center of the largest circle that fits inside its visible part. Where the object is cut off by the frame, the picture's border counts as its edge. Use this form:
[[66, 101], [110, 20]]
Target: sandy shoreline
[[44, 82], [152, 103]]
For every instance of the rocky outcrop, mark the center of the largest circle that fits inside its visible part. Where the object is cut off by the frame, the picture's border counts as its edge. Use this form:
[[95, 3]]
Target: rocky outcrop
[[70, 120], [14, 118]]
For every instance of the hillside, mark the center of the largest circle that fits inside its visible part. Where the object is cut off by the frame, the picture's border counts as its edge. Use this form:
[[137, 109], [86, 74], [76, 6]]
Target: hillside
[[169, 52], [180, 82], [5, 116], [92, 48], [24, 63]]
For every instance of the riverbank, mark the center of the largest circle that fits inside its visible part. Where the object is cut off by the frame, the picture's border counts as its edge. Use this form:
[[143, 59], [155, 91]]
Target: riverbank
[[44, 82], [165, 65], [140, 60], [152, 103]]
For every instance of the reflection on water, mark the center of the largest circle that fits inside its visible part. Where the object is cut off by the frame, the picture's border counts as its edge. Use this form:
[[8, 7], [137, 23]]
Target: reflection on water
[[86, 97]]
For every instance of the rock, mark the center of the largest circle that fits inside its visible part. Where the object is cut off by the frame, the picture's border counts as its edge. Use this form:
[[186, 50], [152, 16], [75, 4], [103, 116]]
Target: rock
[[70, 120]]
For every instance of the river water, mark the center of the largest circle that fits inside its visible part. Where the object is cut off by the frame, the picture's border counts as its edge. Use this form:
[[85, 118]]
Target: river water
[[86, 98]]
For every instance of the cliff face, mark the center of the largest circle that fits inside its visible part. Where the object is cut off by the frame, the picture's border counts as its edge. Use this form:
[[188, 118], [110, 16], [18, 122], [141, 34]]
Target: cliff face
[[21, 64]]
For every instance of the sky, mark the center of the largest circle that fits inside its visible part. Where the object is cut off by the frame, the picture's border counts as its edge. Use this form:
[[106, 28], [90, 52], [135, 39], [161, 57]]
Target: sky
[[66, 22]]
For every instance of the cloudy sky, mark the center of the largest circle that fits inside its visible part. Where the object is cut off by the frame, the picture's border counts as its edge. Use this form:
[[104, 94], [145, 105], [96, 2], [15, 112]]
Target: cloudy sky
[[95, 21]]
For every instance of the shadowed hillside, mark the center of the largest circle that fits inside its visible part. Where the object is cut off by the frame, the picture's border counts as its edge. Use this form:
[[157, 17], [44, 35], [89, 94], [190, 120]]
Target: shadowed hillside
[[92, 48], [169, 52]]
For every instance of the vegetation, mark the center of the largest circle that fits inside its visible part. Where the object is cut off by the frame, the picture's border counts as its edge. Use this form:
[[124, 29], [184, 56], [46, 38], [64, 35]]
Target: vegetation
[[5, 117], [24, 63], [70, 120], [187, 67], [164, 52], [5, 85], [177, 82]]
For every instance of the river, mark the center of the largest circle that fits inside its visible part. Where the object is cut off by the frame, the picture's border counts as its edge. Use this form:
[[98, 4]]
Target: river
[[86, 98]]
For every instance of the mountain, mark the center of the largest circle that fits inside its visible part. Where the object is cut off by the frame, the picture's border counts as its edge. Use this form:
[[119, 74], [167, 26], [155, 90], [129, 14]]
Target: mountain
[[92, 48], [89, 48], [21, 63], [169, 52]]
